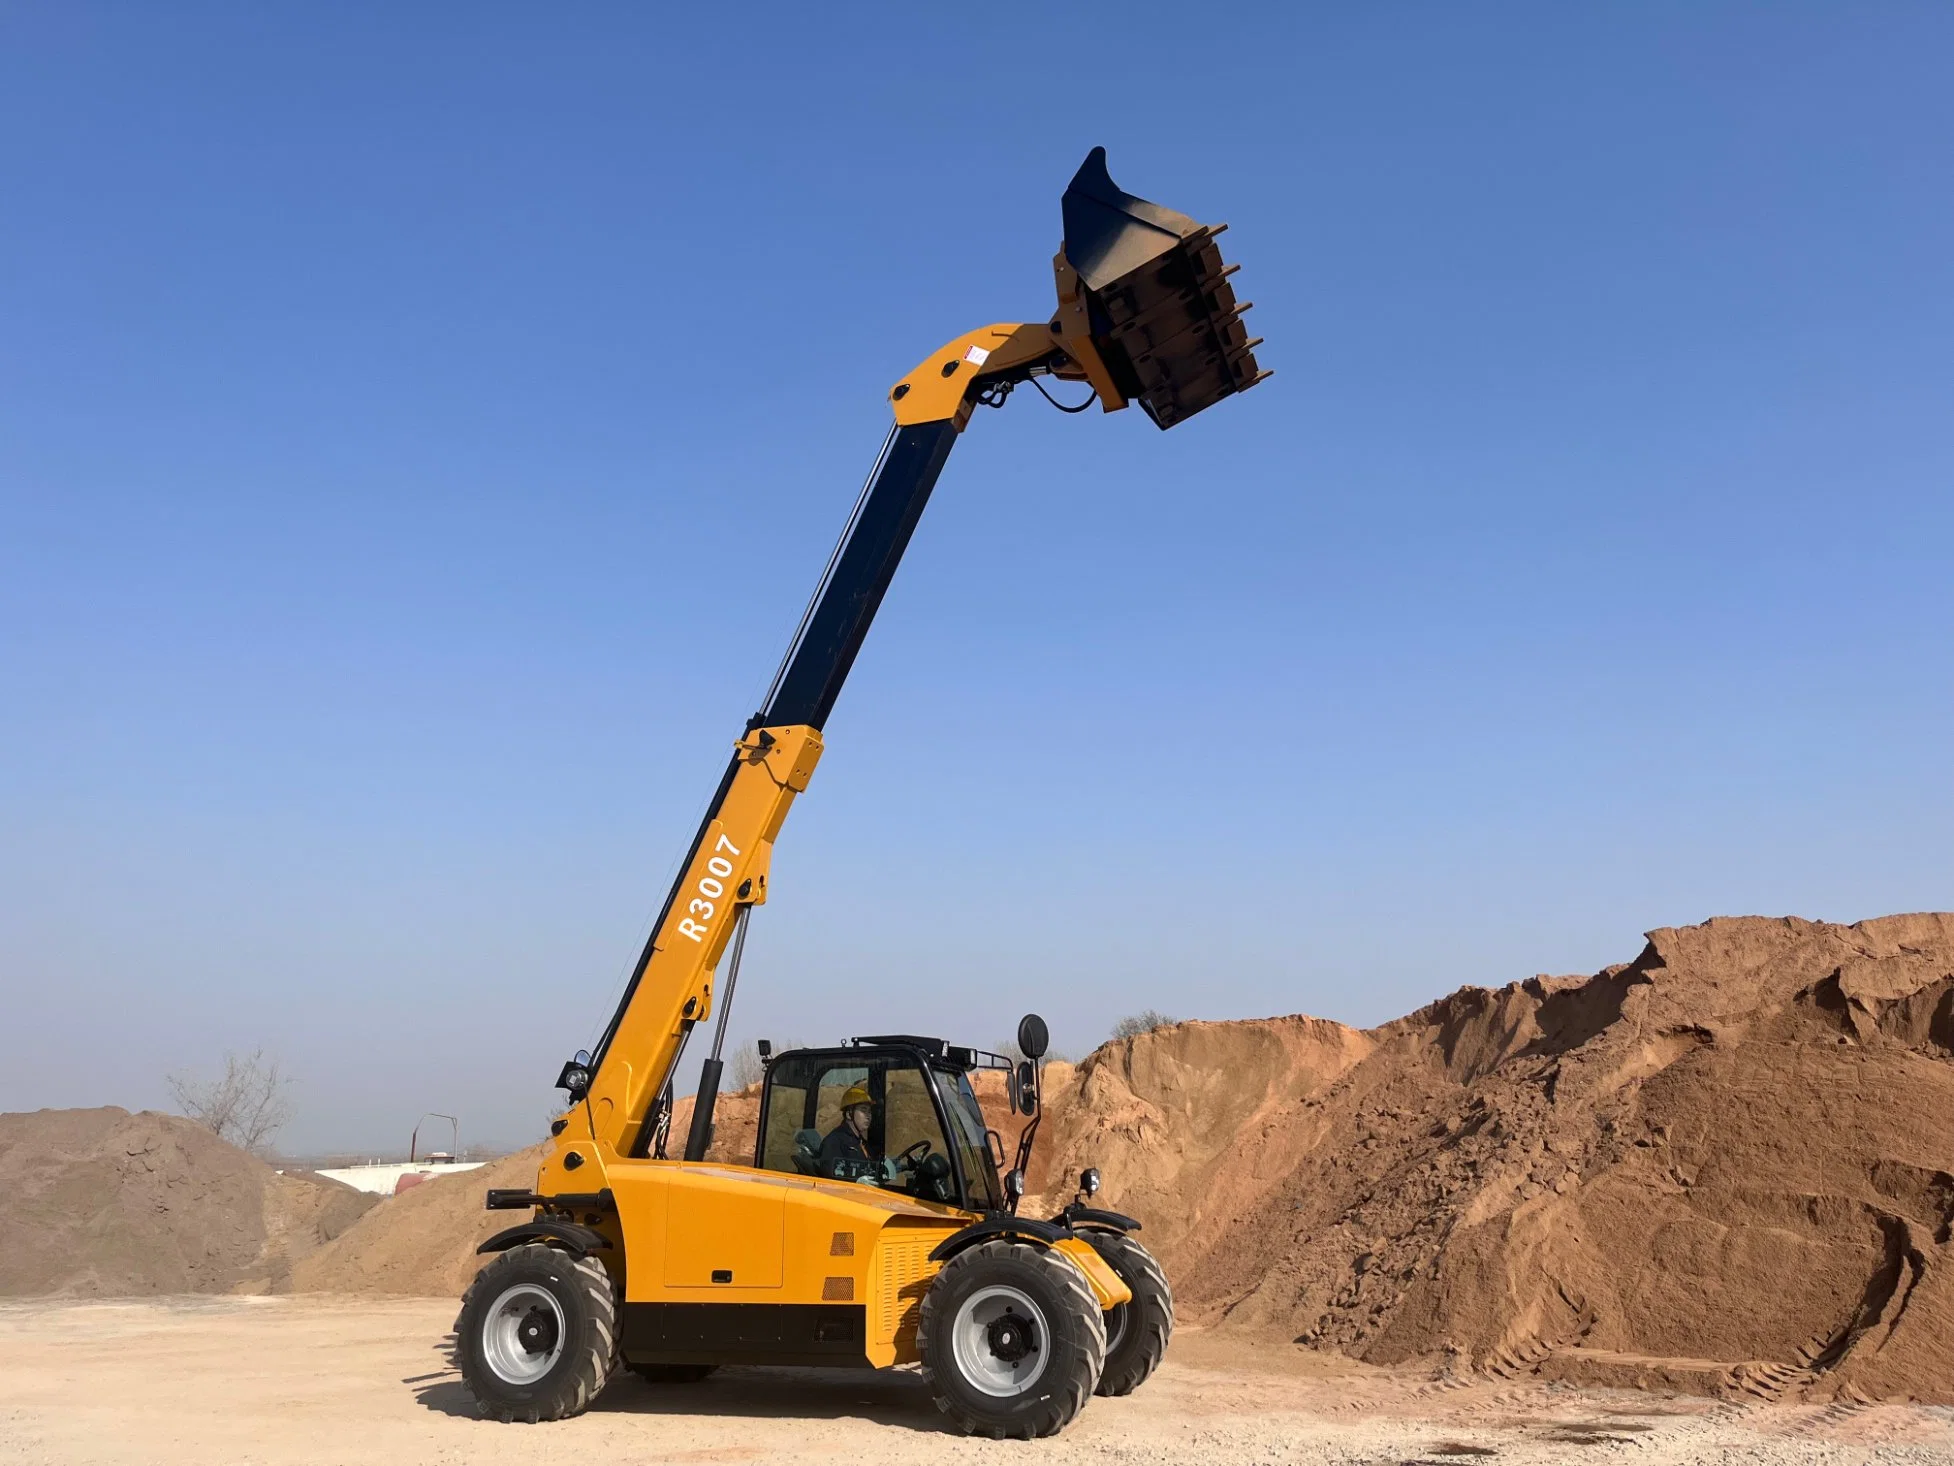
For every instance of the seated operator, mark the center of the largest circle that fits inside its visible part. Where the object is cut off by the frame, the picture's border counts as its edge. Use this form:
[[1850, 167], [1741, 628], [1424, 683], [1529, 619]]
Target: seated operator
[[844, 1152]]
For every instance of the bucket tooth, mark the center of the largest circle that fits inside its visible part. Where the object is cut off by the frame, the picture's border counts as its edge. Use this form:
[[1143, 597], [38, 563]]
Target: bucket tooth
[[1163, 316]]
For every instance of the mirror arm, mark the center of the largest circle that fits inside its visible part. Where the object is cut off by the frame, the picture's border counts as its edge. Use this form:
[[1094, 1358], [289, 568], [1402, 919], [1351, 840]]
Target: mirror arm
[[1021, 1168]]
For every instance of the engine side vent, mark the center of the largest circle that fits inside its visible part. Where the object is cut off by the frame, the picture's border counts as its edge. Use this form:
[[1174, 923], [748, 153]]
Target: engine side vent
[[903, 1274]]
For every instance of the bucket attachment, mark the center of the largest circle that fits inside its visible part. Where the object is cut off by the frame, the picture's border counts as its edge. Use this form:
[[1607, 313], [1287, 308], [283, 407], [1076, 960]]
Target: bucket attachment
[[1164, 317]]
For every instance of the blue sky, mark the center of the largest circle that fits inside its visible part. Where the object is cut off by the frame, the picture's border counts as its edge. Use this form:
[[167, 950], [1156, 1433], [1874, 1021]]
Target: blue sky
[[421, 430]]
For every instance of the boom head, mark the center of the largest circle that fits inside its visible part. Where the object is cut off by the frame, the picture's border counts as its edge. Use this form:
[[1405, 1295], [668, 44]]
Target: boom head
[[1163, 316]]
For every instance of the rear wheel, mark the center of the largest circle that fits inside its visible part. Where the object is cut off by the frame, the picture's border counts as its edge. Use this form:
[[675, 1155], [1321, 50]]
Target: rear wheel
[[1136, 1332], [537, 1334], [1012, 1340]]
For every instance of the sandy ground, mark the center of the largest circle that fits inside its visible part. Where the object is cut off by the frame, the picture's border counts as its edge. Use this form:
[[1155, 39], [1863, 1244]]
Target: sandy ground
[[339, 1380]]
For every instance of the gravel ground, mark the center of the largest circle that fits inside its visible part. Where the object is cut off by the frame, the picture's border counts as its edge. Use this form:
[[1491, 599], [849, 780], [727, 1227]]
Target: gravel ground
[[338, 1380]]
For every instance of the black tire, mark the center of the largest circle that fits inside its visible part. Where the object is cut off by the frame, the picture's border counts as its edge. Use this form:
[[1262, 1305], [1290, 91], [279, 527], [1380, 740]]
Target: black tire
[[997, 1295], [537, 1335], [1136, 1332], [672, 1374]]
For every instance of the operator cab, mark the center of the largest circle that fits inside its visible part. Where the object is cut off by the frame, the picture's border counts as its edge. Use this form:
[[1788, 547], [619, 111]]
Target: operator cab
[[926, 1138]]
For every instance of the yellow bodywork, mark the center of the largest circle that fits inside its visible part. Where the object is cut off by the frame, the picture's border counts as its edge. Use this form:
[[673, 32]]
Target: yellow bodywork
[[771, 1237]]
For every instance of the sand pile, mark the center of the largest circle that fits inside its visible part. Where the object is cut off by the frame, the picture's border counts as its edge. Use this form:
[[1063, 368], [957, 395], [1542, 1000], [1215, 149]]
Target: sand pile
[[423, 1241], [994, 1099], [102, 1202], [735, 1126], [1727, 1166]]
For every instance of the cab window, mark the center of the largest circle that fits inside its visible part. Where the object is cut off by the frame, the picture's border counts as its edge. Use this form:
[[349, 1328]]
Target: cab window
[[903, 1148], [968, 1135]]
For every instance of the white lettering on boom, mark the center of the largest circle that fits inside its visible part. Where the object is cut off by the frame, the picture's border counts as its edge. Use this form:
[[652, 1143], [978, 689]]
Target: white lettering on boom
[[711, 887]]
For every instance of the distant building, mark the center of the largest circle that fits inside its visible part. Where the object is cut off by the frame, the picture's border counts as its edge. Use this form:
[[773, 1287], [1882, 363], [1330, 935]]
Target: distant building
[[384, 1180]]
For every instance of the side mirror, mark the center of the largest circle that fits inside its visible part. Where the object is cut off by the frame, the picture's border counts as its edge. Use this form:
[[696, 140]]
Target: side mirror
[[1025, 1086], [1034, 1039], [765, 1046]]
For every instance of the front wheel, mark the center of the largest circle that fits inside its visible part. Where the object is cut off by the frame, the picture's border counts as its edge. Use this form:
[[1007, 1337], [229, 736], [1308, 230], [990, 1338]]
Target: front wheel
[[537, 1334], [1136, 1332], [1012, 1340]]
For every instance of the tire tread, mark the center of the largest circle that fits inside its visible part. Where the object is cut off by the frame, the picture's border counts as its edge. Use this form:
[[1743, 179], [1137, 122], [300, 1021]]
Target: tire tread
[[1150, 1317], [595, 1356], [1062, 1405]]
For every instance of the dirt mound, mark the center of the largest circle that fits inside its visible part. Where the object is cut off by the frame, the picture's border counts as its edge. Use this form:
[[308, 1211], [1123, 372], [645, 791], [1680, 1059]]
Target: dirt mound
[[99, 1203], [1735, 1153], [423, 1241], [1165, 1116]]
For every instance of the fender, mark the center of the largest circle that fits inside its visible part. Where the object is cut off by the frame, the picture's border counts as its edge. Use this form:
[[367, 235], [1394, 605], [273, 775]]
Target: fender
[[581, 1241], [1092, 1219], [1044, 1233]]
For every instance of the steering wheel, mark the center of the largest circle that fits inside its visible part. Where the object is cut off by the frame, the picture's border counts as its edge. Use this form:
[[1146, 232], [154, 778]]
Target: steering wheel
[[913, 1157]]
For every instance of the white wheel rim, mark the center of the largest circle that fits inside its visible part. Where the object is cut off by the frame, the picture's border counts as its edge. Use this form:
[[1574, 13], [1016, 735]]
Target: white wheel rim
[[1001, 1340], [523, 1334], [1115, 1320]]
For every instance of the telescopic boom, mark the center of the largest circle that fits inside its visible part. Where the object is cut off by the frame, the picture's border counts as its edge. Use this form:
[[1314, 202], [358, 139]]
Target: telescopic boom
[[1145, 314]]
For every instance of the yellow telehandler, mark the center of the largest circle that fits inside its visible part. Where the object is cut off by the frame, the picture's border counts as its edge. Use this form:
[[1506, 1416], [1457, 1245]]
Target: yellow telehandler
[[878, 1224]]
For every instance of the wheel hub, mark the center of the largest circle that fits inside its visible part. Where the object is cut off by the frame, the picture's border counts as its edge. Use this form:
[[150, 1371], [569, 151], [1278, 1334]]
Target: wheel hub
[[1010, 1338], [537, 1332]]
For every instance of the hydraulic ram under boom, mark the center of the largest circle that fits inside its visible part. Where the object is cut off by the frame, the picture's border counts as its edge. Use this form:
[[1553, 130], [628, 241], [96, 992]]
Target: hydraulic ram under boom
[[1145, 314]]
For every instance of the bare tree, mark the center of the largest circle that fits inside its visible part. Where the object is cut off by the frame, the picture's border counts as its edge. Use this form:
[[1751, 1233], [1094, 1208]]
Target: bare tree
[[1145, 1021], [247, 1106]]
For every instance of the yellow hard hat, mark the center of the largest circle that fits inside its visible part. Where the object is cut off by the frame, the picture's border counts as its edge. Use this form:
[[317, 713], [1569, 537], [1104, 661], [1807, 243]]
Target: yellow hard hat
[[856, 1094]]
